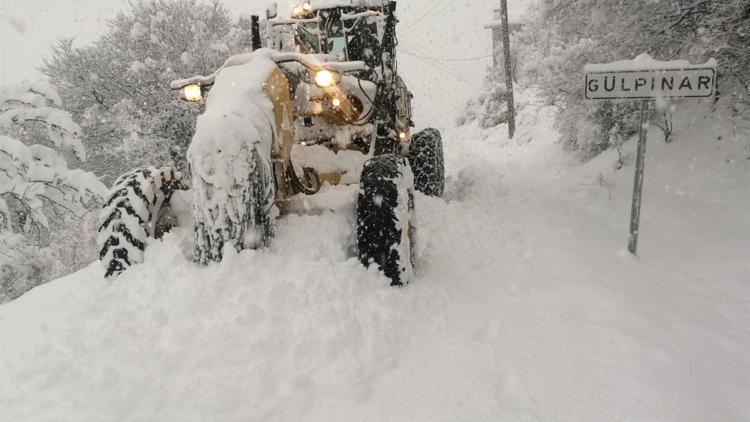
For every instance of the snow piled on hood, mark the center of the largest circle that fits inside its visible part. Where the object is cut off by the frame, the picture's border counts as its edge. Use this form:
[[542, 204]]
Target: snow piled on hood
[[238, 118]]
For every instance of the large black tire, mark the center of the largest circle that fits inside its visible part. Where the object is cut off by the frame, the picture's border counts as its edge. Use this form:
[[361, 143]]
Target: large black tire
[[426, 159], [243, 219], [385, 217], [129, 215]]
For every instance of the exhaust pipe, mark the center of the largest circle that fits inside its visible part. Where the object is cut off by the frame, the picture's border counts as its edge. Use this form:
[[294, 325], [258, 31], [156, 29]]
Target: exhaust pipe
[[255, 30]]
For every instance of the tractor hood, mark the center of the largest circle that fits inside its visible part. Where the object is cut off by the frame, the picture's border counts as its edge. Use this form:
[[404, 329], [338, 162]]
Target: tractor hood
[[238, 117]]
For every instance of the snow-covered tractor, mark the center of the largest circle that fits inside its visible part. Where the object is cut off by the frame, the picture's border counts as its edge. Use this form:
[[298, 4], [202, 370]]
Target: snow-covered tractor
[[319, 119]]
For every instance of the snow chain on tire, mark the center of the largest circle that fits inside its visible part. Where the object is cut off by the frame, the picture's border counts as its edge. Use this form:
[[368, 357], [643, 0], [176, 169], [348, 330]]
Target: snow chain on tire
[[385, 217], [129, 215], [427, 163]]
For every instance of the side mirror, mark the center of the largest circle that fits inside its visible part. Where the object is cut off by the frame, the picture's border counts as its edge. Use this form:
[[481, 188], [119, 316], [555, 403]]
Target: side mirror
[[272, 10]]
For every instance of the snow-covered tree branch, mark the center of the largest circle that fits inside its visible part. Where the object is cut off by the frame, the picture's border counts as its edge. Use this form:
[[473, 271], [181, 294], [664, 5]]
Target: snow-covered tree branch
[[39, 104], [39, 195], [118, 87]]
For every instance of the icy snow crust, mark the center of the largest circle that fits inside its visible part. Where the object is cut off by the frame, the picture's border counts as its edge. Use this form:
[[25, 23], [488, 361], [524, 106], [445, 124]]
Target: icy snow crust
[[646, 62], [525, 306]]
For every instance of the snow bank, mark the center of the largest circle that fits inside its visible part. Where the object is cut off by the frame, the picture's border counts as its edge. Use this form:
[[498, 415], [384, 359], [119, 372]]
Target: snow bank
[[524, 306]]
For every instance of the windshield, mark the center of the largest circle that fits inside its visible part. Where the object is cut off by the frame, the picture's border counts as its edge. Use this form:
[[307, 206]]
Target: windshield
[[346, 39], [337, 47]]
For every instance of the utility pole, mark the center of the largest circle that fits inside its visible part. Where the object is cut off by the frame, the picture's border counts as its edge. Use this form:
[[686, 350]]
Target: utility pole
[[508, 68]]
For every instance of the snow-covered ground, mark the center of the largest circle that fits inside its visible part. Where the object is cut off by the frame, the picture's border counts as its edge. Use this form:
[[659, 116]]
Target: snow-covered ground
[[526, 306]]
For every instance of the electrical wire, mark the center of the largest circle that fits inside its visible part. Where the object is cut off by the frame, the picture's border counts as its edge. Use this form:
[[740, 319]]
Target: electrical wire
[[452, 74], [363, 121], [442, 69], [443, 59], [432, 9], [414, 49], [426, 11]]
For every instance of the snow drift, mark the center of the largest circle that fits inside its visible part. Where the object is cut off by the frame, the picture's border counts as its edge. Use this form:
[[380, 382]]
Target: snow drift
[[525, 305]]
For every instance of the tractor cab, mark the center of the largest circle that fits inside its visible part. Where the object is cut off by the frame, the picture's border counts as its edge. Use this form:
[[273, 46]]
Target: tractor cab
[[343, 30], [355, 34], [349, 33]]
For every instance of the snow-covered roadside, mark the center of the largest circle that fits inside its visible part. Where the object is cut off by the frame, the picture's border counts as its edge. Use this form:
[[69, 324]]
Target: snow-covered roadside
[[525, 306]]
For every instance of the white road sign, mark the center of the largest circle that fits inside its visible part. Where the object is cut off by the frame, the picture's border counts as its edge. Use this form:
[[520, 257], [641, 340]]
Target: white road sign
[[693, 82], [646, 79]]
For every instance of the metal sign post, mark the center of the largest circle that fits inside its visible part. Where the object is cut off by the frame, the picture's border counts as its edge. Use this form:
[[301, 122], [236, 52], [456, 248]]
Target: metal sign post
[[640, 166], [612, 82]]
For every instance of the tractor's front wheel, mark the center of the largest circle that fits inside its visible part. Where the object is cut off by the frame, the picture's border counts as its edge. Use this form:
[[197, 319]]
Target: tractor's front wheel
[[385, 217], [237, 214], [131, 214]]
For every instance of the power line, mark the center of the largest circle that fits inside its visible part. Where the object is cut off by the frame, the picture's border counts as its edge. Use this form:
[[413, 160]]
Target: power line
[[430, 10], [447, 71], [443, 59], [414, 48]]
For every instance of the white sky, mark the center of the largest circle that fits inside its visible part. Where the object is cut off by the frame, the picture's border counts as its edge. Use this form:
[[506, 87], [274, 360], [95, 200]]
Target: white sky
[[440, 31]]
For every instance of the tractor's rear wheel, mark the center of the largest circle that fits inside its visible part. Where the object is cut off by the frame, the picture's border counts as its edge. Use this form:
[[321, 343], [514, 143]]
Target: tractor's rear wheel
[[426, 159], [130, 215], [385, 217]]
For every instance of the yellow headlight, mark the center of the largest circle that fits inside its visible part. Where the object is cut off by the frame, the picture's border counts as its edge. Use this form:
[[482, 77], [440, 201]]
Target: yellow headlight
[[324, 78], [192, 92], [336, 102]]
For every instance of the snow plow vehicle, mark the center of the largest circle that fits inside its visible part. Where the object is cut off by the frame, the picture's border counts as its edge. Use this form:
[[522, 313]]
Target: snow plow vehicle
[[318, 119]]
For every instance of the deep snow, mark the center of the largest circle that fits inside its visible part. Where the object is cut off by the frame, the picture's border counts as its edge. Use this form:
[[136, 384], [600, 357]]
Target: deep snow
[[526, 305]]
